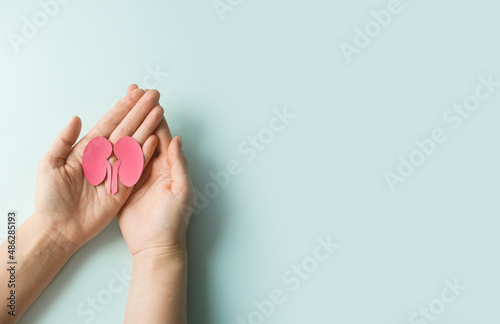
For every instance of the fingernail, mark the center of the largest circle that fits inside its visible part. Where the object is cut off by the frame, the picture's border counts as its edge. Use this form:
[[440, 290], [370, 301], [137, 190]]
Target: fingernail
[[180, 142]]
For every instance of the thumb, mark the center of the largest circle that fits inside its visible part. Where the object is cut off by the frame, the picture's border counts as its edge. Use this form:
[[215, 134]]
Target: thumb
[[179, 170], [63, 143]]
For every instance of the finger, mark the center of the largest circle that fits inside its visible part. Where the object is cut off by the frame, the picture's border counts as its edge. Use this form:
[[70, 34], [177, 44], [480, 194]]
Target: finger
[[149, 124], [164, 136], [63, 143], [112, 118], [132, 87], [115, 116], [149, 148], [181, 184], [134, 119]]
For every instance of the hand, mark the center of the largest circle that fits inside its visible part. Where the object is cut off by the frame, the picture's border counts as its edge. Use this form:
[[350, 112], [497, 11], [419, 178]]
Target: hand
[[156, 215], [66, 204]]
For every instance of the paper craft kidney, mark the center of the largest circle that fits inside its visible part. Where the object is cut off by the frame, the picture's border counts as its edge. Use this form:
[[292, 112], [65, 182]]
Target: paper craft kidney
[[95, 162], [128, 167], [130, 162]]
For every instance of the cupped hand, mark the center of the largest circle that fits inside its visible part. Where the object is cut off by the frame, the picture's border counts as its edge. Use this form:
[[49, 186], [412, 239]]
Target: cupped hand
[[66, 204], [156, 215]]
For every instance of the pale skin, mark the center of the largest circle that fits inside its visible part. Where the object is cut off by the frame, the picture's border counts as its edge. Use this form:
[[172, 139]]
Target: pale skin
[[153, 215]]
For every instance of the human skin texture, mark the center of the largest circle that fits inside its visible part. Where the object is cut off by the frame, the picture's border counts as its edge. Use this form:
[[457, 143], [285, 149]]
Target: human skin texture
[[69, 211], [153, 222]]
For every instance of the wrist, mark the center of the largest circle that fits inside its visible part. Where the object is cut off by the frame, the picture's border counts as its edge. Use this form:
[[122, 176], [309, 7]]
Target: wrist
[[162, 256], [49, 241]]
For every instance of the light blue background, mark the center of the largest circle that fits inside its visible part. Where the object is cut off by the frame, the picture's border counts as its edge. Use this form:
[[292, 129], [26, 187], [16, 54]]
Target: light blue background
[[323, 175]]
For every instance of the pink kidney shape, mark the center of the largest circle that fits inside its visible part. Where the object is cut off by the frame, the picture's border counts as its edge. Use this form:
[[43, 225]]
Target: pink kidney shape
[[95, 160], [130, 162]]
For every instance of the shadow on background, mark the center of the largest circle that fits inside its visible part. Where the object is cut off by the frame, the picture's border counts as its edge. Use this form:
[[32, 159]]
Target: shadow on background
[[204, 228], [71, 271]]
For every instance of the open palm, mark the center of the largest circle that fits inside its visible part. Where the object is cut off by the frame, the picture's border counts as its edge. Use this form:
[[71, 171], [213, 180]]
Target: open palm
[[65, 201], [157, 212]]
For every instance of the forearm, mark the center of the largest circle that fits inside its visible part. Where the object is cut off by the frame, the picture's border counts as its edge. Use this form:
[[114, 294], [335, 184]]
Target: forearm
[[158, 288], [39, 256]]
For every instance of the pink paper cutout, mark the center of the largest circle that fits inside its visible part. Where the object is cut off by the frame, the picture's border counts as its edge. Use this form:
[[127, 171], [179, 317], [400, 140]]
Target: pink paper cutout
[[95, 162], [130, 162], [128, 168]]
